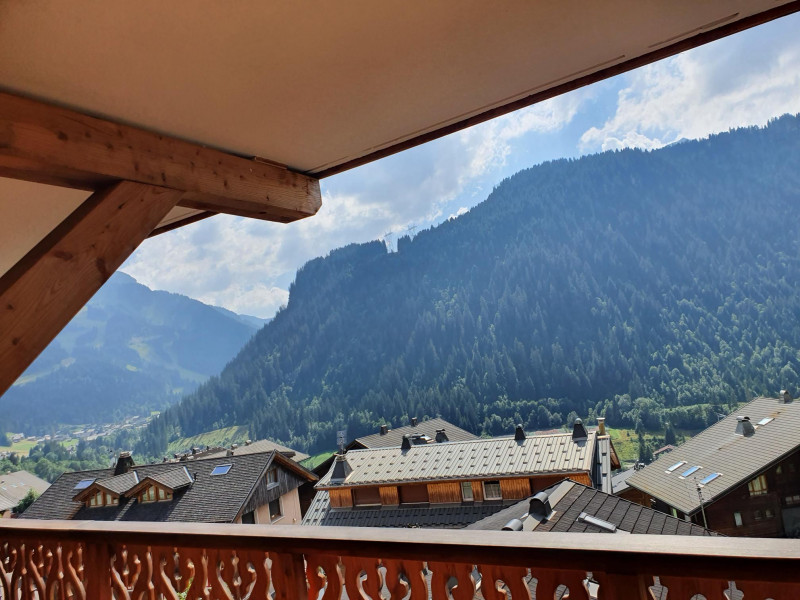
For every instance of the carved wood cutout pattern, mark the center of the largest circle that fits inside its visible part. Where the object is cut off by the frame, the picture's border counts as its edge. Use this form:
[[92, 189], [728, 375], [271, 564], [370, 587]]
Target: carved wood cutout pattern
[[49, 570]]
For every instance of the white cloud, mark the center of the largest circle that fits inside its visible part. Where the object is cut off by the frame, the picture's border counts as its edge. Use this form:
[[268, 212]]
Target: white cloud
[[461, 211], [740, 81]]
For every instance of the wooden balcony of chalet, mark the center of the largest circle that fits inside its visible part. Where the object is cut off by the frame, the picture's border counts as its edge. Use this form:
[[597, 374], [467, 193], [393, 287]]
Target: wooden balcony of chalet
[[102, 561]]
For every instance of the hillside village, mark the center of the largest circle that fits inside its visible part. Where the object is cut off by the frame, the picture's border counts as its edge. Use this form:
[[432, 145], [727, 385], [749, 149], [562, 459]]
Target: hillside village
[[736, 478]]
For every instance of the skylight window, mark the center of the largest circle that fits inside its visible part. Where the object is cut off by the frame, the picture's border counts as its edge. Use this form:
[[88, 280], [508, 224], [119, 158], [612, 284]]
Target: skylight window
[[221, 470], [83, 484], [690, 470], [675, 466], [765, 420], [709, 478]]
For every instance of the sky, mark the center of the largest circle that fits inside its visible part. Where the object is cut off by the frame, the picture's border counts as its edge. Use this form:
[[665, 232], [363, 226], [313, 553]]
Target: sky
[[247, 265]]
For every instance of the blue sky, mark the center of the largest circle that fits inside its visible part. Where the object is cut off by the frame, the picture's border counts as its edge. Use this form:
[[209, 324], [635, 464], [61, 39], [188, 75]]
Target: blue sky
[[247, 265]]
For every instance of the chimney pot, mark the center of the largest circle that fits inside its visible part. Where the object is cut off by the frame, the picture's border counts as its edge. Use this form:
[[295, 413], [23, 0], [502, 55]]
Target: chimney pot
[[540, 506], [601, 425], [124, 463], [519, 433], [248, 442], [413, 421], [384, 429], [406, 445], [341, 469], [513, 525], [441, 436], [744, 426], [786, 396]]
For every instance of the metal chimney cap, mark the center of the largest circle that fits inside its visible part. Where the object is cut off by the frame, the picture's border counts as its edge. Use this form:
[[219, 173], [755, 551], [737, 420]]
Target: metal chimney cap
[[513, 525], [406, 445], [519, 433]]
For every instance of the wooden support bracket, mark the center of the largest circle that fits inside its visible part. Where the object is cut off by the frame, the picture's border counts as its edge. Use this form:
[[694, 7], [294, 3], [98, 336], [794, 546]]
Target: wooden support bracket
[[49, 285], [50, 144]]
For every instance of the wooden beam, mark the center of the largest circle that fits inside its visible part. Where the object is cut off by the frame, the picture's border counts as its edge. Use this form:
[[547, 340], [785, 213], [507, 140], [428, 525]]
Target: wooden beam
[[49, 285], [50, 144]]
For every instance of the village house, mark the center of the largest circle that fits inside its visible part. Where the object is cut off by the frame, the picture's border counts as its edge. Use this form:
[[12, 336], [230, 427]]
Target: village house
[[15, 486], [738, 477], [451, 484], [257, 488]]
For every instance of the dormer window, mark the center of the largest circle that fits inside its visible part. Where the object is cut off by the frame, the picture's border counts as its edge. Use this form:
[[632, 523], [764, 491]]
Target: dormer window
[[153, 493], [272, 475], [101, 498]]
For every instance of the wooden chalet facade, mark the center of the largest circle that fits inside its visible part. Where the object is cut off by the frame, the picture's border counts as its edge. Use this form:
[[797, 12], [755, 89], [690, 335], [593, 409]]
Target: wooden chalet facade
[[739, 477]]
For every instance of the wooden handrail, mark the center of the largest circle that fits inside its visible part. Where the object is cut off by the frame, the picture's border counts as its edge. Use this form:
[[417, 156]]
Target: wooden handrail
[[613, 558]]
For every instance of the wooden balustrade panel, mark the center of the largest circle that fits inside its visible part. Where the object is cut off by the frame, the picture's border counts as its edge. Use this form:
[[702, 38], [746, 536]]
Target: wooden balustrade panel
[[31, 569]]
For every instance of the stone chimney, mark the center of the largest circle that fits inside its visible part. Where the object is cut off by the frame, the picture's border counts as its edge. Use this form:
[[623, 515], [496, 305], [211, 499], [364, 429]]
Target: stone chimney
[[124, 463], [384, 429], [413, 421], [441, 436], [579, 431], [786, 396], [406, 445], [601, 425], [744, 426], [341, 469], [519, 433]]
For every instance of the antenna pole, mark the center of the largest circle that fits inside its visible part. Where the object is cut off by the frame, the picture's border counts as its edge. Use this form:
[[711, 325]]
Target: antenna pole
[[702, 508]]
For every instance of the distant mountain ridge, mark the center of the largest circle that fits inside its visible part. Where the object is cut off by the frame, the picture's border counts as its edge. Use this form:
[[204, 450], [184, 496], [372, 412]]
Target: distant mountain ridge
[[130, 350], [658, 288]]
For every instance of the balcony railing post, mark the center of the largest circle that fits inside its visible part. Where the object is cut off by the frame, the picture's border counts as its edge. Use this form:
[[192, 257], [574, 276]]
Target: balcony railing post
[[622, 586], [97, 570], [289, 578]]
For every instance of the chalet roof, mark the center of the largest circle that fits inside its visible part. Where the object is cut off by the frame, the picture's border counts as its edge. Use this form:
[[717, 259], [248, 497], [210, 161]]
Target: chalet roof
[[568, 500], [473, 459], [252, 448], [719, 449], [15, 486], [174, 479], [209, 499], [439, 516], [120, 483], [619, 482], [429, 427]]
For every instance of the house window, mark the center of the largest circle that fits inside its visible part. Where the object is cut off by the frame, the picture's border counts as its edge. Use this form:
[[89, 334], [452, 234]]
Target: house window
[[491, 490], [102, 499], [779, 470], [153, 493], [413, 494], [758, 486], [790, 500], [737, 518], [758, 515], [272, 475], [769, 513], [275, 509], [466, 491], [249, 518]]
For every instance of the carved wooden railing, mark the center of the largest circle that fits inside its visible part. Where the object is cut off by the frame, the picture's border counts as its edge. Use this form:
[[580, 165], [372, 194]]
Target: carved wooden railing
[[60, 560]]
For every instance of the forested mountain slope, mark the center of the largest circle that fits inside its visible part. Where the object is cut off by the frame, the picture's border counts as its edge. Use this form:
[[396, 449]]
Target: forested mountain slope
[[128, 351], [648, 286]]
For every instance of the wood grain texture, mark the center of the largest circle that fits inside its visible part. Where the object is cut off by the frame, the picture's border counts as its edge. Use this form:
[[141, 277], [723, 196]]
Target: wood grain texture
[[515, 488], [389, 496], [341, 498], [50, 144], [448, 491], [49, 285]]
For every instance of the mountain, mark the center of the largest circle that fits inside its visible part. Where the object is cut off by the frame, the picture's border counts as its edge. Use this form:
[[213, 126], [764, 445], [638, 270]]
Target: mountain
[[129, 351], [658, 288]]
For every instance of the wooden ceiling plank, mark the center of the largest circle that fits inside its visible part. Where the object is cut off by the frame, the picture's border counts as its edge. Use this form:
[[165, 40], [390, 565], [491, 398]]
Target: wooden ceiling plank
[[50, 144], [49, 285]]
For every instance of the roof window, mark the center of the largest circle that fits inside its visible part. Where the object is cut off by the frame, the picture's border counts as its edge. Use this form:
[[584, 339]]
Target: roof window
[[221, 470], [709, 478], [675, 466], [83, 484], [765, 420], [690, 470], [590, 520]]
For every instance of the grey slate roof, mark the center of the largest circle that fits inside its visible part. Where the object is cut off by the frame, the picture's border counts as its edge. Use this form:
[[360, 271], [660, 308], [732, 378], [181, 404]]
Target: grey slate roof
[[569, 499], [473, 459], [174, 479], [210, 499], [441, 516], [719, 449], [15, 486], [394, 437], [119, 483], [252, 448], [619, 482]]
